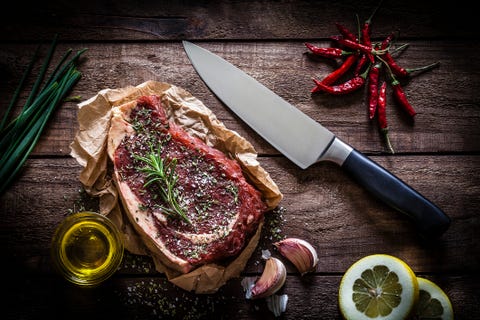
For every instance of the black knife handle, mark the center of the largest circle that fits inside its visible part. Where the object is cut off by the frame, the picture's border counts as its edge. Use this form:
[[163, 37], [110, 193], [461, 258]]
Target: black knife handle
[[430, 220]]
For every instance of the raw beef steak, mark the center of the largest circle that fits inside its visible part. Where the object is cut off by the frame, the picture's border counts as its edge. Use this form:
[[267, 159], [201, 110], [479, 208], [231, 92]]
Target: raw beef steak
[[208, 211]]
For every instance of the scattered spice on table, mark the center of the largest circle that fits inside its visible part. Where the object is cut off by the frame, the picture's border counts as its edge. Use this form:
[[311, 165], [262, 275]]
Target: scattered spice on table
[[369, 63]]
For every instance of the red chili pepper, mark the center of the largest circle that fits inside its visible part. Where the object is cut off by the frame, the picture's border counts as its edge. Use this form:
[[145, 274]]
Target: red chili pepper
[[347, 34], [382, 104], [366, 34], [335, 75], [401, 98], [361, 63], [356, 46], [327, 52], [366, 38], [393, 65], [404, 72], [382, 114], [387, 57], [387, 41], [366, 29], [373, 77], [349, 86]]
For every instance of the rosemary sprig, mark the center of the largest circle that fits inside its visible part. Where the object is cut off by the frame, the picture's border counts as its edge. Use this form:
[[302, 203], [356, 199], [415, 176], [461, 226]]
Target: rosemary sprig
[[19, 136], [163, 173]]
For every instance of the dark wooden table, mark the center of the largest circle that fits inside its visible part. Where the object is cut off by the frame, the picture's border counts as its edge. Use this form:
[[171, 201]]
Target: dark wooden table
[[130, 42]]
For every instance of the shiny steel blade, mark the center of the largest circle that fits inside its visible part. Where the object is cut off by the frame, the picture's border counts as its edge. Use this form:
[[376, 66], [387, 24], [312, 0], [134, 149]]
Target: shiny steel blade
[[304, 141], [293, 133]]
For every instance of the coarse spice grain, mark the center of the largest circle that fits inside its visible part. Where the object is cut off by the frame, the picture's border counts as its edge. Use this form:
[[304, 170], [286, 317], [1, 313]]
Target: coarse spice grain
[[274, 223], [157, 298], [138, 263], [82, 201]]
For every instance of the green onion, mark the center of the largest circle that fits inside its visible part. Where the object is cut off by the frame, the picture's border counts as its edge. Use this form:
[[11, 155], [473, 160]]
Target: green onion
[[19, 137]]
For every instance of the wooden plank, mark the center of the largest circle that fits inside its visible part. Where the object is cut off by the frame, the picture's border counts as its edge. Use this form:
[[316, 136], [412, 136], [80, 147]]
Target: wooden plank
[[166, 20], [130, 43], [321, 205], [445, 98], [146, 298]]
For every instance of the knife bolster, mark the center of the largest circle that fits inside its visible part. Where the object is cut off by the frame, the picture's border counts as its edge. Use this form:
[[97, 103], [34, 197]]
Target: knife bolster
[[336, 152]]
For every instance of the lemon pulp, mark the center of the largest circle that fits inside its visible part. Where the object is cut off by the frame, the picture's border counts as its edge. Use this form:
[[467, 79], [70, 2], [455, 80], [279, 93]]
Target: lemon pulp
[[378, 287], [377, 292], [433, 303]]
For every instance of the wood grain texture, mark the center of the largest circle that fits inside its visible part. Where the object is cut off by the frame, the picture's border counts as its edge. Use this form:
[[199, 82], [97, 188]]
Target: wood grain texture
[[152, 298], [130, 42], [445, 98], [321, 204], [226, 20]]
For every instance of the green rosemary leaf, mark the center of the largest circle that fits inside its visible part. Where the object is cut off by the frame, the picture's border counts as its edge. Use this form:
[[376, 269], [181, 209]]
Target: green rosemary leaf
[[164, 176]]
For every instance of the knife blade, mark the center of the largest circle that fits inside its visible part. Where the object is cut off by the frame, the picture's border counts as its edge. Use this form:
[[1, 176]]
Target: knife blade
[[305, 141]]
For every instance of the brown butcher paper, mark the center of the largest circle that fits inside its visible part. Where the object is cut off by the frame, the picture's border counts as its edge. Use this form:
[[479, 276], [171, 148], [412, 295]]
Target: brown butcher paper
[[89, 148]]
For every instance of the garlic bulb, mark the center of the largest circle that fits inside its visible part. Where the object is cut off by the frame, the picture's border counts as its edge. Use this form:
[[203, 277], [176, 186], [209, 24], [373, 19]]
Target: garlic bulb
[[299, 252]]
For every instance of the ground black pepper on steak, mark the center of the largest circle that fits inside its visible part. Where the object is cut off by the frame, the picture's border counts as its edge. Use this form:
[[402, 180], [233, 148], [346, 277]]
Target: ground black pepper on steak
[[224, 210]]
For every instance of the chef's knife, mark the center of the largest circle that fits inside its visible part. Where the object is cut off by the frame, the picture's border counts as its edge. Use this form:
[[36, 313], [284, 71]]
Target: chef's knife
[[305, 142]]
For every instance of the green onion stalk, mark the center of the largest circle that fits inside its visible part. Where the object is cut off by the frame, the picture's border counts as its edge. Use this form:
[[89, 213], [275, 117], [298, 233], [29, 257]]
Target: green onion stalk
[[19, 136]]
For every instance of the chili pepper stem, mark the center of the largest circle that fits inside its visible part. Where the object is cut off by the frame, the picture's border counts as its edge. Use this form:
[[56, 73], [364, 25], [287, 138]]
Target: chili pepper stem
[[384, 132], [369, 20], [424, 68], [400, 48]]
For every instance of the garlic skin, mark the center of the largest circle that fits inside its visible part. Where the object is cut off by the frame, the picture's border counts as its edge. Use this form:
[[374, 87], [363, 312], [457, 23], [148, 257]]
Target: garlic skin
[[299, 252], [272, 279], [277, 304]]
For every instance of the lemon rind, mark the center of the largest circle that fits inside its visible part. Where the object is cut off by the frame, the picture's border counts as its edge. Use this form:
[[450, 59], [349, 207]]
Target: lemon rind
[[407, 277]]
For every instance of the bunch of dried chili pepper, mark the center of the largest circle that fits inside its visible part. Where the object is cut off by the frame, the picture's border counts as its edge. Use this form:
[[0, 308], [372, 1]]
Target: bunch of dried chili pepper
[[366, 63]]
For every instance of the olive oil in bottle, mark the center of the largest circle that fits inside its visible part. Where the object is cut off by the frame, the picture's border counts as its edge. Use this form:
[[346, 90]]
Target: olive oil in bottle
[[87, 248]]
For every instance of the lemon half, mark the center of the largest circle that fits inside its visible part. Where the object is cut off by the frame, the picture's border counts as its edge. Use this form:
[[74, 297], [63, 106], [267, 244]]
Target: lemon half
[[433, 303], [378, 286]]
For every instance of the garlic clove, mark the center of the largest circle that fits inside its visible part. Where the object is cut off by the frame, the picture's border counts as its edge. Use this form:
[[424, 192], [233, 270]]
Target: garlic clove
[[277, 304], [247, 284], [299, 252], [272, 279]]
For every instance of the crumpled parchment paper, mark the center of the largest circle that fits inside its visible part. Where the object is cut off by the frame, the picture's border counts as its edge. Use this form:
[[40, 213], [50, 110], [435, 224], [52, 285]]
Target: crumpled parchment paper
[[89, 148]]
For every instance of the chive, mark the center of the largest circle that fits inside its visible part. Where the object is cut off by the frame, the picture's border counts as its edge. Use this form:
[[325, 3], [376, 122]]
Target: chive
[[53, 77], [18, 89], [41, 75], [20, 136], [34, 134]]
